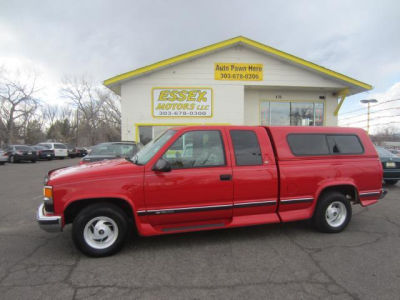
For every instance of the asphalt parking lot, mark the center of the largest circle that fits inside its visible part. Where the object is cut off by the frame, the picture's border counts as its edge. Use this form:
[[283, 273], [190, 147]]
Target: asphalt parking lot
[[282, 261]]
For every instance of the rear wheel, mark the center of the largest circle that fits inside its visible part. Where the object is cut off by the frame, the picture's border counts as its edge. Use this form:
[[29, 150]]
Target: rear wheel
[[390, 181], [333, 213], [12, 159], [100, 230], [33, 160]]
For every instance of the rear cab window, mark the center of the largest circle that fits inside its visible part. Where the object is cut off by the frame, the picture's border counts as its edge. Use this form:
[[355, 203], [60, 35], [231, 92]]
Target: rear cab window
[[304, 144], [344, 144], [246, 148]]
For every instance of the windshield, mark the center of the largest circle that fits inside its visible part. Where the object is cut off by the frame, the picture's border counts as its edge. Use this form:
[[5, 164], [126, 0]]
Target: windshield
[[120, 150], [148, 151], [384, 152]]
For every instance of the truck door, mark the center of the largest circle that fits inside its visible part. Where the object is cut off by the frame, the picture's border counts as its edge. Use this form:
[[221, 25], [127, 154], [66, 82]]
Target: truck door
[[198, 188], [255, 177]]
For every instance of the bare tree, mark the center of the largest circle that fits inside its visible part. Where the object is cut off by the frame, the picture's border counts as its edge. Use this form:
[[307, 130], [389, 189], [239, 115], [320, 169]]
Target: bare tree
[[386, 134], [50, 113], [111, 109], [97, 110], [17, 102]]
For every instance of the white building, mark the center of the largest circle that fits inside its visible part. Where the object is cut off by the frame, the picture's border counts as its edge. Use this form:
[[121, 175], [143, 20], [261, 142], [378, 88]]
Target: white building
[[237, 81]]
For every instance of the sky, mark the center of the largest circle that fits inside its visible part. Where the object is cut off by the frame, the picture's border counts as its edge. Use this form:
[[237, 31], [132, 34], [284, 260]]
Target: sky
[[101, 39]]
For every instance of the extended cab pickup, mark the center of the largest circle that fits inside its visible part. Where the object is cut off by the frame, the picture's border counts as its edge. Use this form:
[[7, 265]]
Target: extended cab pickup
[[213, 177]]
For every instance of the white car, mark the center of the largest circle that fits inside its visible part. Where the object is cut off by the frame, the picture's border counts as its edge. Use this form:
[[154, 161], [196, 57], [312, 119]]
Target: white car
[[60, 150], [3, 157]]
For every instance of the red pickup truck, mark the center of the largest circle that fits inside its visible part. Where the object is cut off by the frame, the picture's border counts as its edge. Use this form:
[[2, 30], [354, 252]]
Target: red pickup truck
[[213, 177]]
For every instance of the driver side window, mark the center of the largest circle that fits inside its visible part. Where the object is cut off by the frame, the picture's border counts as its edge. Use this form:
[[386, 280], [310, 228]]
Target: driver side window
[[196, 149]]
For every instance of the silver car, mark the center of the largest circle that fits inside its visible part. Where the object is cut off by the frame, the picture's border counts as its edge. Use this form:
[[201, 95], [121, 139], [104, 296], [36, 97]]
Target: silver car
[[3, 157]]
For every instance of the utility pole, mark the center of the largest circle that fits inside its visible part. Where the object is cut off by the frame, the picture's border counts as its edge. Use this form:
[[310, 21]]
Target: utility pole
[[368, 101]]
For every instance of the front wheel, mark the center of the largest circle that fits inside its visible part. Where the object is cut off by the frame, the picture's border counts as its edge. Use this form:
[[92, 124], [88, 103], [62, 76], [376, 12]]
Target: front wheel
[[12, 159], [100, 230], [333, 213], [390, 181]]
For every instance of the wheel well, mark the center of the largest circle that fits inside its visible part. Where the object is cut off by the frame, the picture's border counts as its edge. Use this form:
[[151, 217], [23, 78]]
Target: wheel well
[[75, 207], [349, 191]]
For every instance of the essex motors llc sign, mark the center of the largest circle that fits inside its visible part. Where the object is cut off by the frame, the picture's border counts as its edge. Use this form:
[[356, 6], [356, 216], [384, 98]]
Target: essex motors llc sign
[[182, 102]]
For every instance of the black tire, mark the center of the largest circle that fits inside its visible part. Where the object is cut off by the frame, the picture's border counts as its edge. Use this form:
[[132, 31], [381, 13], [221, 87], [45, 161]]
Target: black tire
[[62, 157], [390, 181], [12, 159], [2, 163], [87, 215], [33, 160], [320, 215]]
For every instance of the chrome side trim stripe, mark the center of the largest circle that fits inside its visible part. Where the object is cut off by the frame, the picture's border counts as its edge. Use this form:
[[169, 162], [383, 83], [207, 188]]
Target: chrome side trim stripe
[[258, 203], [204, 208], [183, 209], [193, 227], [298, 200], [370, 194]]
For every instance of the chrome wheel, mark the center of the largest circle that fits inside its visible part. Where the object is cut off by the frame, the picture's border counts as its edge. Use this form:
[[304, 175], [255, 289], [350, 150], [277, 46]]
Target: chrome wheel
[[100, 232], [336, 214]]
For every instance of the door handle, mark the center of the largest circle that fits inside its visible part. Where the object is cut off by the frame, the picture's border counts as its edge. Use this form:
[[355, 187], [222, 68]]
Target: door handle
[[225, 177]]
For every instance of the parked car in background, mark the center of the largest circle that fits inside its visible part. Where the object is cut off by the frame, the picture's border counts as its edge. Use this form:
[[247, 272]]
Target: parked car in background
[[76, 151], [3, 157], [60, 150], [88, 149], [17, 153], [395, 152], [111, 150], [43, 152], [71, 151], [81, 152], [391, 165]]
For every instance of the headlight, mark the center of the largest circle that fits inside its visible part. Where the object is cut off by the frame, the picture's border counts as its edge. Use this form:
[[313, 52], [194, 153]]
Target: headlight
[[48, 198]]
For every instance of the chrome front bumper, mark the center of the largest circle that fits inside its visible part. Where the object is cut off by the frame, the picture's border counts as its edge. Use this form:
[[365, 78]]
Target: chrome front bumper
[[48, 223]]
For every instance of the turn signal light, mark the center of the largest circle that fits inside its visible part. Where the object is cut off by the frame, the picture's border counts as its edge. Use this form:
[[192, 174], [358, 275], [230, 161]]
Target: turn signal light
[[48, 192]]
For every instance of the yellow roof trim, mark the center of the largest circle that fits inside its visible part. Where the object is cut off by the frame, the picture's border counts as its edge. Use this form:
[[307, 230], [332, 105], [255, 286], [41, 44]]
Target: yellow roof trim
[[227, 43]]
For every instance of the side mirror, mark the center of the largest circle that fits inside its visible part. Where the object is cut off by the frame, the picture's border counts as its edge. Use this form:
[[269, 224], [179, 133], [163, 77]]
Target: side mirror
[[162, 165]]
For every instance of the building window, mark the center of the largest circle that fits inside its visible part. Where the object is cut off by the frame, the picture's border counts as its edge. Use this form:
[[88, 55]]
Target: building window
[[296, 113]]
